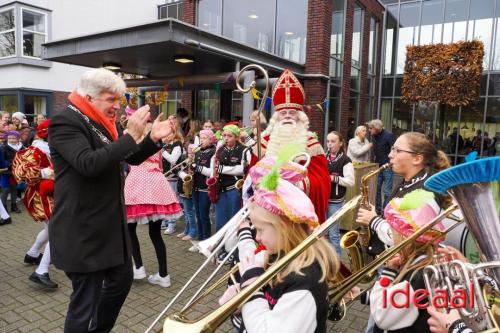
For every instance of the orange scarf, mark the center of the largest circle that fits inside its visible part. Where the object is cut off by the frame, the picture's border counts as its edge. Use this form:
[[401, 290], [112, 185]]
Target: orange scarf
[[93, 113]]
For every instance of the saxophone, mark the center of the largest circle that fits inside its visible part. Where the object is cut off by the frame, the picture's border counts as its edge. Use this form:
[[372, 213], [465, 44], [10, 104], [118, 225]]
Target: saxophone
[[212, 181], [364, 232], [187, 181]]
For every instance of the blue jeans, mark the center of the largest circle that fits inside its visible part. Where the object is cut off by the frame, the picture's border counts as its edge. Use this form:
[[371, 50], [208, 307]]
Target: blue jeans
[[202, 210], [386, 178], [189, 217], [334, 232], [226, 207], [173, 185]]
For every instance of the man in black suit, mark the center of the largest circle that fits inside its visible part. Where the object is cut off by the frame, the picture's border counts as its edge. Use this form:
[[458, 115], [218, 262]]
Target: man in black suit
[[88, 233]]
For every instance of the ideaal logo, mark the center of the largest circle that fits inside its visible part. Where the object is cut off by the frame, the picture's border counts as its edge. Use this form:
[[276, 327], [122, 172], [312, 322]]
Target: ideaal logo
[[442, 298]]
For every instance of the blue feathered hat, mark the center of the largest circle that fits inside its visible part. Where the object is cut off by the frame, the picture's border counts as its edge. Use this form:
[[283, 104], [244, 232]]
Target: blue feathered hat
[[478, 171]]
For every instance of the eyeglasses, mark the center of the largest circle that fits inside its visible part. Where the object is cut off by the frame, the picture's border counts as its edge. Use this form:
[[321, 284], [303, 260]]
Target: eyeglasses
[[397, 150]]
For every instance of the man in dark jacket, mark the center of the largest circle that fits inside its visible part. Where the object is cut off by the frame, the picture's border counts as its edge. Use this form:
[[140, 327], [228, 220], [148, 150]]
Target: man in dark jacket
[[382, 143], [88, 235]]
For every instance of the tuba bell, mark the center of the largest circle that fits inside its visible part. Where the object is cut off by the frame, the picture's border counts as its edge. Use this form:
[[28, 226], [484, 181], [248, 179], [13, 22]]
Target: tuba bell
[[475, 187]]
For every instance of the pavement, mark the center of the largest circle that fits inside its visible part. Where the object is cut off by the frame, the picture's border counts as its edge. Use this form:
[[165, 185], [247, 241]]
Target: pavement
[[25, 307]]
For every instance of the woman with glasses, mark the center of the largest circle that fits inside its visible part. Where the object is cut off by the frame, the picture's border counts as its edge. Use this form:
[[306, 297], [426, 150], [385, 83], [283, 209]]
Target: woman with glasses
[[415, 158]]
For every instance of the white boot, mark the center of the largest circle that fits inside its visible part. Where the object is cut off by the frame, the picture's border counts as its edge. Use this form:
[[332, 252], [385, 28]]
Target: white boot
[[139, 273], [161, 281]]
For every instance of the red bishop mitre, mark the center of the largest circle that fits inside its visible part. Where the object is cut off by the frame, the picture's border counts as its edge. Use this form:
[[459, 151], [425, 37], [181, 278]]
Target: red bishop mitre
[[288, 92]]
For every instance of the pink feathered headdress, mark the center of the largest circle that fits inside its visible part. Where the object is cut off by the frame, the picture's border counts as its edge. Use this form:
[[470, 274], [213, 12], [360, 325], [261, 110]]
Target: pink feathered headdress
[[276, 194], [209, 133], [408, 214]]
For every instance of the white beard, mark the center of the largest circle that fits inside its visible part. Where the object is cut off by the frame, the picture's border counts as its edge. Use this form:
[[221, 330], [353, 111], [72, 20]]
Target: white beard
[[283, 134]]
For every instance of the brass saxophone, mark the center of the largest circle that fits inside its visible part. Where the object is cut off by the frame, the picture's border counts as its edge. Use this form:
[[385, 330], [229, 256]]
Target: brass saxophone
[[187, 181], [364, 232]]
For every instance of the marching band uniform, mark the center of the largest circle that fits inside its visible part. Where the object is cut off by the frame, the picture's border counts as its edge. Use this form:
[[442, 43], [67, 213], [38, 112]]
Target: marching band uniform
[[230, 169], [33, 166], [172, 154], [295, 302], [289, 94], [405, 222], [201, 201]]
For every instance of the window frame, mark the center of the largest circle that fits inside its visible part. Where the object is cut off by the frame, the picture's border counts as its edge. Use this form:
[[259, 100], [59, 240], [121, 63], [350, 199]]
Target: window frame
[[13, 8], [22, 29]]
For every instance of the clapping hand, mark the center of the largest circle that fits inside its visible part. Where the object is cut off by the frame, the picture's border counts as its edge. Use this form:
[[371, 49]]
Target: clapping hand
[[137, 122], [161, 129]]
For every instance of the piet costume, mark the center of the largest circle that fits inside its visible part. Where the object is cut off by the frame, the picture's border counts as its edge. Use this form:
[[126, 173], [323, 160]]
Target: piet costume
[[289, 94], [33, 166]]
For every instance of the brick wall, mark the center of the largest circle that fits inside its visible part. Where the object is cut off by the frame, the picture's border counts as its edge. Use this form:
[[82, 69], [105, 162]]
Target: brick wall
[[319, 27], [59, 101], [187, 100], [189, 11]]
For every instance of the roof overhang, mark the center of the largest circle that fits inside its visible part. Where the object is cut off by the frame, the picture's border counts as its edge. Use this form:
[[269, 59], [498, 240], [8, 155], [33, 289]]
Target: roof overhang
[[150, 49]]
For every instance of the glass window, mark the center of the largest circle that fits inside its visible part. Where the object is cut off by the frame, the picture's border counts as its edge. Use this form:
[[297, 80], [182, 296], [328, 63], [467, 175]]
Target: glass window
[[408, 31], [237, 105], [8, 103], [336, 70], [210, 15], [334, 108], [390, 38], [385, 110], [494, 88], [402, 116], [33, 33], [353, 115], [7, 33], [35, 105], [481, 26], [432, 18], [173, 102], [496, 56], [250, 23], [355, 78], [491, 130], [387, 85], [291, 29], [208, 106], [425, 120], [371, 47], [172, 9], [455, 20], [357, 27], [471, 120], [337, 38]]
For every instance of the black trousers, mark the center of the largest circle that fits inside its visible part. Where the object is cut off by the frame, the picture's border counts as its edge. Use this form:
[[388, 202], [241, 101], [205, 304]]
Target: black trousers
[[97, 298]]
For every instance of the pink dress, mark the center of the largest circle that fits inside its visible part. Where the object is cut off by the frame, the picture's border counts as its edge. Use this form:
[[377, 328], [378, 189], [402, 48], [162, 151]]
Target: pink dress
[[148, 195]]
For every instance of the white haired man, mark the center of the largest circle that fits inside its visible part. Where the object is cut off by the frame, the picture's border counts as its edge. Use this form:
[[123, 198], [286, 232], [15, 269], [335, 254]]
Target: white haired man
[[382, 143], [289, 125], [88, 236]]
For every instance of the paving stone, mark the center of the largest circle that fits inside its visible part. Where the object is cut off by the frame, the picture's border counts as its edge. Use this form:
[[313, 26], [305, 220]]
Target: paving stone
[[25, 307]]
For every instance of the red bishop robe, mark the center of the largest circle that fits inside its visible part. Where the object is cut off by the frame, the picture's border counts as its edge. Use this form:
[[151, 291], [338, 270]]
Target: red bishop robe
[[317, 182], [38, 198]]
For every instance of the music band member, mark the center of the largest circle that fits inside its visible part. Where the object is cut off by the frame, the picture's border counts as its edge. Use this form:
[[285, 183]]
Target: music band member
[[295, 299], [202, 170], [289, 125], [33, 166], [88, 235]]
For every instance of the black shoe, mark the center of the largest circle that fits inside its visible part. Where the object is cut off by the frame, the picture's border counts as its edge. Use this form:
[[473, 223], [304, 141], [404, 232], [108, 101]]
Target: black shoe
[[6, 221], [33, 260], [43, 279], [15, 209]]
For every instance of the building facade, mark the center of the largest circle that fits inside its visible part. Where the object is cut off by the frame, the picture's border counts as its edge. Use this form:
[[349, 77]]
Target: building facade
[[348, 54], [457, 131]]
